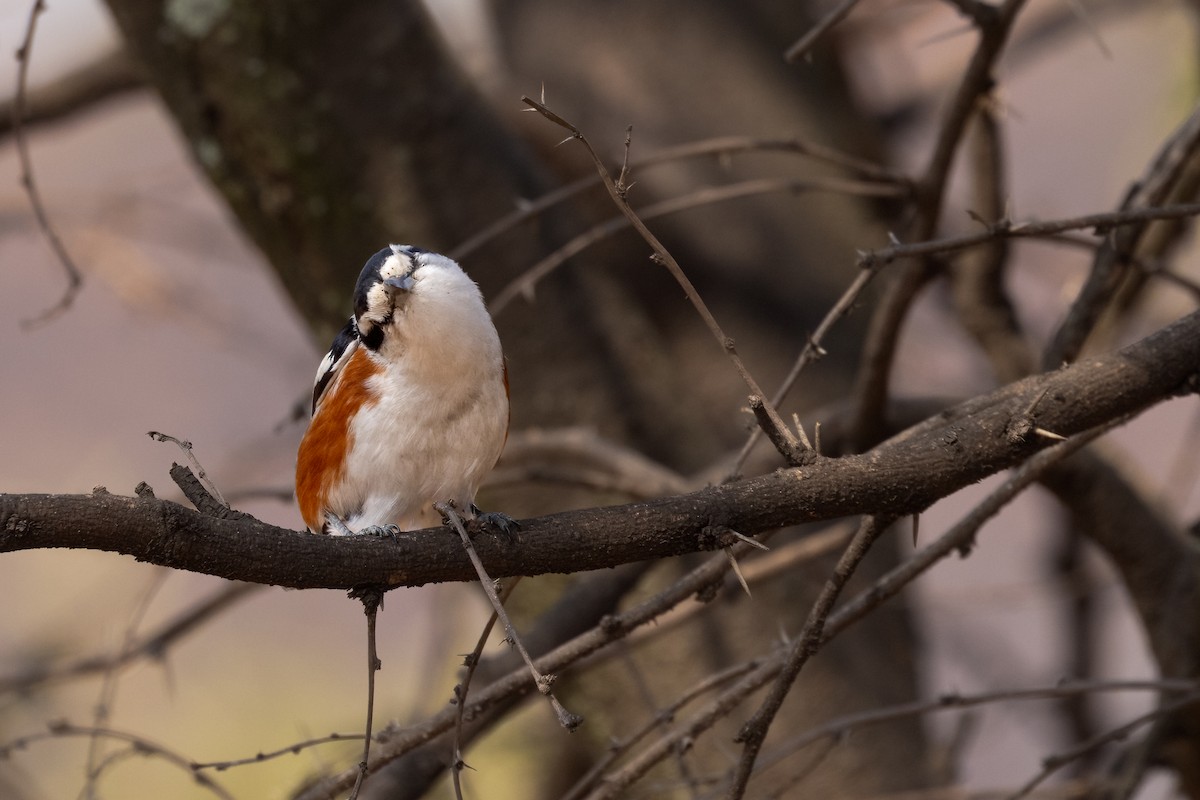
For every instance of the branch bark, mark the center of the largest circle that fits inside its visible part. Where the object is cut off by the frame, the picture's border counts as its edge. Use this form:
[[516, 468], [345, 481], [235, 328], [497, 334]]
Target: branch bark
[[902, 476]]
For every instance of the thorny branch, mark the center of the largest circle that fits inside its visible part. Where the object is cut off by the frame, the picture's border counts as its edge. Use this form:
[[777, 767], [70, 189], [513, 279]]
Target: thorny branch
[[792, 450]]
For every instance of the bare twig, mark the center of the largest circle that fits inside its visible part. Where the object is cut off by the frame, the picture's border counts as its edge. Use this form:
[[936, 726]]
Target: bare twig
[[464, 687], [720, 146], [372, 599], [836, 728], [800, 49], [624, 745], [525, 283], [958, 537], [543, 682], [754, 732], [1101, 223], [663, 257], [812, 351], [141, 747], [153, 646], [108, 687], [186, 447], [879, 347], [1053, 763], [74, 277], [292, 749]]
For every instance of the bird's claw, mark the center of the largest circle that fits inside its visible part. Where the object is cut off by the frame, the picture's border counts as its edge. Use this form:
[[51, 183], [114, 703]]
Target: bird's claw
[[380, 531], [498, 521]]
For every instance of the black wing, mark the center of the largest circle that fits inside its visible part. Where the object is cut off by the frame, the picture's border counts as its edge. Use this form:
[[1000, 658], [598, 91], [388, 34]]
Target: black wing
[[343, 347]]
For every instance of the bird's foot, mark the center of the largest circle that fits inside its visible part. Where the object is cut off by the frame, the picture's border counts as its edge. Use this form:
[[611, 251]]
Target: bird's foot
[[380, 531], [497, 521]]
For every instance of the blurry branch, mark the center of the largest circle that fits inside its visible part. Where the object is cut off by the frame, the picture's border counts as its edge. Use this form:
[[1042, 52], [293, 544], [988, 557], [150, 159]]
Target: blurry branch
[[139, 746], [1168, 172], [618, 190], [152, 647], [1057, 761], [800, 49], [879, 347], [527, 281], [109, 75], [978, 278], [719, 147], [579, 455], [754, 732], [102, 710], [624, 745], [837, 728], [292, 749], [1102, 225], [74, 278], [902, 476]]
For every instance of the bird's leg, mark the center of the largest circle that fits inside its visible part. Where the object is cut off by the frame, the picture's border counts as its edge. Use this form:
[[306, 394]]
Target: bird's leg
[[497, 520], [338, 527], [335, 526]]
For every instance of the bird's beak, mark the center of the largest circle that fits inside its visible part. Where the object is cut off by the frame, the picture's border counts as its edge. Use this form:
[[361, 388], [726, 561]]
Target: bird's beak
[[404, 283]]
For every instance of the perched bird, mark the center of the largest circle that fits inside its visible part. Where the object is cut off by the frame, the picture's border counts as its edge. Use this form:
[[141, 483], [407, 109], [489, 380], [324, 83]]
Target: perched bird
[[410, 404]]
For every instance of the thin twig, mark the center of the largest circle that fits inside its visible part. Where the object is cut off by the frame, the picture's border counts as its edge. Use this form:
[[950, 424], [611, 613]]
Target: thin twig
[[74, 277], [464, 686], [525, 283], [142, 747], [800, 49], [186, 447], [623, 746], [663, 257], [108, 687], [812, 351], [292, 749], [1052, 764], [720, 146], [1005, 229], [372, 599], [754, 732], [153, 646], [837, 728], [879, 347], [542, 682]]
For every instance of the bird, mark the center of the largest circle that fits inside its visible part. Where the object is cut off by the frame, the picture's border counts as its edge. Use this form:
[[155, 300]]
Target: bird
[[410, 406]]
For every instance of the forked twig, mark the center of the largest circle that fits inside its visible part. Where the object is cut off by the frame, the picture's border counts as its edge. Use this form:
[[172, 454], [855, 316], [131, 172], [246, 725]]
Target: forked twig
[[793, 452], [544, 683]]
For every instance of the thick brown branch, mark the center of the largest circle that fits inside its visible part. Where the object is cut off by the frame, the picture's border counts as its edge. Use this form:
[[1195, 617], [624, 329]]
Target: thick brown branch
[[902, 476]]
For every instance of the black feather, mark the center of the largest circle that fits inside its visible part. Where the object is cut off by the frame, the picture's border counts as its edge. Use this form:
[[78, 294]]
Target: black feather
[[344, 339]]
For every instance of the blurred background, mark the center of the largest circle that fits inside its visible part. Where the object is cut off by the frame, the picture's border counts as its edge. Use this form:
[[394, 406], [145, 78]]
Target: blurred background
[[184, 326]]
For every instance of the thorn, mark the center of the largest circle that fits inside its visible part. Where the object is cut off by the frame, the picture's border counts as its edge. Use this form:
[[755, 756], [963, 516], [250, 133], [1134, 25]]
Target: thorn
[[737, 571], [752, 542], [1049, 434]]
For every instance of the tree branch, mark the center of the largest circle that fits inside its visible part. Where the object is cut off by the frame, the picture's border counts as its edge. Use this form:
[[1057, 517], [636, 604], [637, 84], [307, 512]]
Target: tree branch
[[901, 476]]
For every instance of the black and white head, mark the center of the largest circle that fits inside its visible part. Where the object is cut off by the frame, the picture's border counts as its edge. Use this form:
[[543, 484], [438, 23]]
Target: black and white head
[[383, 285], [393, 287]]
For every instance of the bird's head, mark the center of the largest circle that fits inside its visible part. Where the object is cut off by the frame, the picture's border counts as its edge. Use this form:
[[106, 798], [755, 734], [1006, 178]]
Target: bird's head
[[387, 280]]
